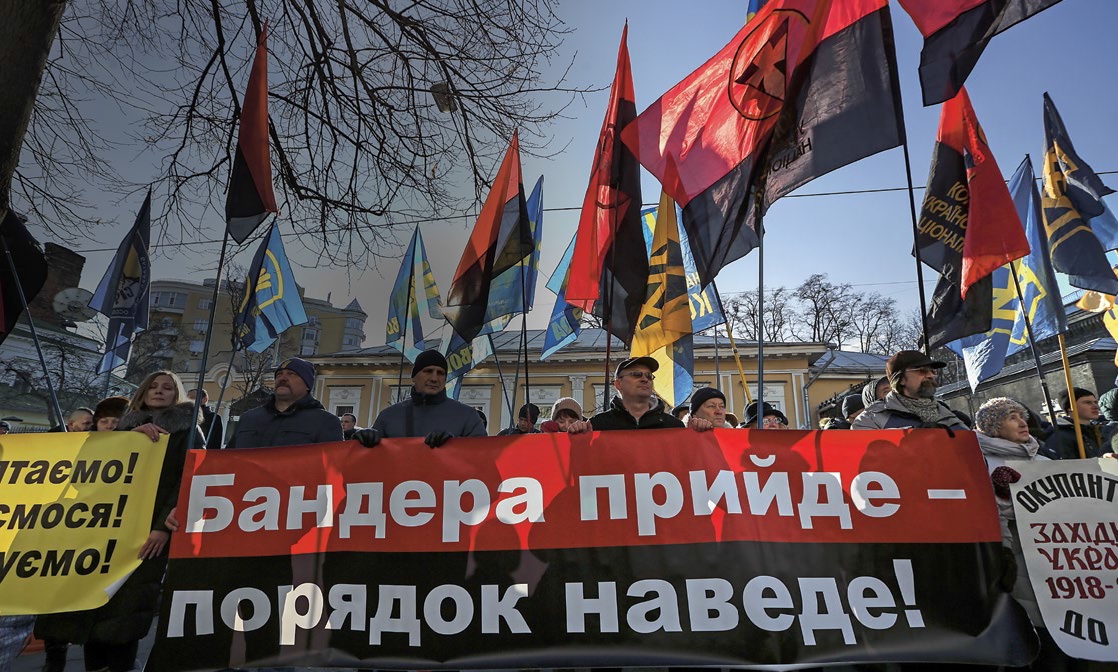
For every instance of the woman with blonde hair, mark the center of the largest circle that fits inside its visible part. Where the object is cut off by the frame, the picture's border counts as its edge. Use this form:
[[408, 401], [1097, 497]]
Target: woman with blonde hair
[[111, 634]]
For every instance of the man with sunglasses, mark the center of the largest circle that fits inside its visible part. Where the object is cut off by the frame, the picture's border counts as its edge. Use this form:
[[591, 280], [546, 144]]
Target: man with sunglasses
[[633, 408], [911, 401]]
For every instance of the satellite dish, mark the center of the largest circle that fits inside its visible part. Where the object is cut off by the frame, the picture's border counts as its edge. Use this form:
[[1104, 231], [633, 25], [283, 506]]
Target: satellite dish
[[73, 304]]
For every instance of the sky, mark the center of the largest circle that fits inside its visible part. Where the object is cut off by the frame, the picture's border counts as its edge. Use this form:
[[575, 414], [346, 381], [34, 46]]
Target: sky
[[863, 239]]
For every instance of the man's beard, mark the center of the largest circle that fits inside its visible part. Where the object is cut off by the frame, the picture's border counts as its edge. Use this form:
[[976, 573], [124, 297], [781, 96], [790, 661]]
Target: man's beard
[[927, 390]]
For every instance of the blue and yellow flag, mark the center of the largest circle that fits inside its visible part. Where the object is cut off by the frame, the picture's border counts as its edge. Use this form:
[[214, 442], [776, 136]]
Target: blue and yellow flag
[[665, 316], [984, 354], [403, 307], [752, 7], [1079, 227], [1043, 303], [566, 320], [461, 357], [706, 306], [122, 294], [271, 303]]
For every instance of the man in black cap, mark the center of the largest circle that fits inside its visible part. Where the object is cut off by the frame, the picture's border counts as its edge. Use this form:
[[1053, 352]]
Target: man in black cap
[[633, 407], [771, 417], [708, 409], [291, 416], [525, 421], [911, 401], [428, 412]]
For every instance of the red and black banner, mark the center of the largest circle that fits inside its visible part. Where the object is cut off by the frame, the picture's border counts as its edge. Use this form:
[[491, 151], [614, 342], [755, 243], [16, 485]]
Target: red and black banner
[[608, 275], [250, 196], [670, 547], [956, 33], [806, 87], [501, 239], [26, 266]]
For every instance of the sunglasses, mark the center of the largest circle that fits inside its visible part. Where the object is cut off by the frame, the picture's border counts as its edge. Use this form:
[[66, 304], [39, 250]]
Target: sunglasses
[[638, 375]]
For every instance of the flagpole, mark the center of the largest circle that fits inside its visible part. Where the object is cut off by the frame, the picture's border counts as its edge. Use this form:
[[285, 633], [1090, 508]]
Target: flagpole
[[524, 330], [221, 393], [1032, 344], [497, 361], [717, 367], [34, 336], [760, 229], [209, 336], [1072, 401], [733, 346], [407, 320]]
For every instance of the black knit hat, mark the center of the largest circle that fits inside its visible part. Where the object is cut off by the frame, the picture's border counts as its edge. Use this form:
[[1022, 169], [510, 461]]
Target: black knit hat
[[852, 403], [703, 395], [299, 367], [429, 358]]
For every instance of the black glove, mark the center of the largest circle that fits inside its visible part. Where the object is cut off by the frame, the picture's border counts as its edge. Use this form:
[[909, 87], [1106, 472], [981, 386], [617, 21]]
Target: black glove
[[367, 437], [436, 439]]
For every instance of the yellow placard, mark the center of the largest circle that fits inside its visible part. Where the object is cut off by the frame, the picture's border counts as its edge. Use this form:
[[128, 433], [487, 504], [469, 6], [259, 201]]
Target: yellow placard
[[75, 508]]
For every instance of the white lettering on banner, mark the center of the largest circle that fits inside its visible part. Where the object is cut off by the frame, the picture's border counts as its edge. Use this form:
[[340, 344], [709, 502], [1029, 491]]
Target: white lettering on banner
[[712, 605], [261, 609], [656, 496], [496, 608], [203, 603], [291, 617], [348, 603], [659, 612], [383, 621]]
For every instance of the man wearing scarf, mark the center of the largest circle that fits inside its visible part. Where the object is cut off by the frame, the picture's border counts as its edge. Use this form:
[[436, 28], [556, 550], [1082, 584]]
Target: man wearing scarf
[[911, 402]]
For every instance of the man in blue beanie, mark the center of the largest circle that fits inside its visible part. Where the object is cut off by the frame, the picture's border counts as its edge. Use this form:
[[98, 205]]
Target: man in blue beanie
[[428, 412], [291, 416]]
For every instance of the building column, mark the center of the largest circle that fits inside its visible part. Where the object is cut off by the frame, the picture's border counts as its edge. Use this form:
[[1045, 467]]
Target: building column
[[578, 388]]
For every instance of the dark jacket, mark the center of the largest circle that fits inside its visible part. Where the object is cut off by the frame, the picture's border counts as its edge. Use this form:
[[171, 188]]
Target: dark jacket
[[423, 414], [513, 431], [213, 441], [305, 421], [890, 413], [617, 417], [127, 616], [1062, 446]]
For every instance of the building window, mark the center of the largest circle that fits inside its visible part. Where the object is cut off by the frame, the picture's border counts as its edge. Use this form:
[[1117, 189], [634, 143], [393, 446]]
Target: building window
[[310, 335], [339, 410], [167, 322], [201, 326], [204, 303], [351, 341], [197, 345], [307, 349], [354, 324], [313, 320]]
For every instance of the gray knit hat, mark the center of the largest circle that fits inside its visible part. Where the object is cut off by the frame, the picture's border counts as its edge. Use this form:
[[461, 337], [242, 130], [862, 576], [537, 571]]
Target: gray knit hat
[[991, 414]]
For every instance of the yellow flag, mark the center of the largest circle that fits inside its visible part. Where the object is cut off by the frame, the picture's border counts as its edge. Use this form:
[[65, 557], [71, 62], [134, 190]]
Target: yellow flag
[[77, 507], [666, 314]]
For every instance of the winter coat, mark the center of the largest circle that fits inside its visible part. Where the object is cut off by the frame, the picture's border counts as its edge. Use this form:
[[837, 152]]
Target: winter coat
[[890, 413], [1062, 445], [128, 614], [303, 422], [1001, 452], [618, 417], [213, 442], [423, 414]]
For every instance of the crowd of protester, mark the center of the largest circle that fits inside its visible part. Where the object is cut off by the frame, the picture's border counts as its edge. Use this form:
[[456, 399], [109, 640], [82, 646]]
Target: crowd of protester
[[905, 397]]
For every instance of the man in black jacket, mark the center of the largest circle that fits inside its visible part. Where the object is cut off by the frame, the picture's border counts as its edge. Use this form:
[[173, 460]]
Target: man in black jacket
[[633, 408], [291, 416], [212, 426]]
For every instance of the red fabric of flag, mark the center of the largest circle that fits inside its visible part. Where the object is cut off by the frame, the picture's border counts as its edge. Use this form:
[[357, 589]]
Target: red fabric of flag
[[501, 238], [609, 265], [250, 196]]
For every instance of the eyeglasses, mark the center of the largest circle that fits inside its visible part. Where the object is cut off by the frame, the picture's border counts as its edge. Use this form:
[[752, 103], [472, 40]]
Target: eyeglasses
[[638, 375], [771, 421]]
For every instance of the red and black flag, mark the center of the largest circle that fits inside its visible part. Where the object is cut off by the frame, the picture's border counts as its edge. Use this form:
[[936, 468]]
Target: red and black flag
[[968, 223], [951, 317], [805, 87], [25, 265], [501, 239], [250, 197], [955, 34], [609, 267]]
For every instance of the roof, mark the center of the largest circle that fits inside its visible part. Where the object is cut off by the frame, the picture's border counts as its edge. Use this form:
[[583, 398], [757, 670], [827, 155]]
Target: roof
[[590, 341], [846, 361], [1104, 344]]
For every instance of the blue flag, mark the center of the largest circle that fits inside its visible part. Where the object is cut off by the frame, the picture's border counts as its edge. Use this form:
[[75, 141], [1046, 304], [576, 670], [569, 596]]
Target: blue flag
[[1043, 303], [706, 307], [462, 358], [984, 354], [122, 294], [1079, 227], [566, 320], [752, 7], [403, 305], [271, 302]]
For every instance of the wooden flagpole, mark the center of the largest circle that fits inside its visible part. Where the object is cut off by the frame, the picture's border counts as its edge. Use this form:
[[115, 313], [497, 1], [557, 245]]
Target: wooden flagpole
[[1072, 401]]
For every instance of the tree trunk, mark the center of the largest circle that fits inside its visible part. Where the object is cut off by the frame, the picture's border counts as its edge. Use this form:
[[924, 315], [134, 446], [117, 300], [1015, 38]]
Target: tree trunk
[[27, 29]]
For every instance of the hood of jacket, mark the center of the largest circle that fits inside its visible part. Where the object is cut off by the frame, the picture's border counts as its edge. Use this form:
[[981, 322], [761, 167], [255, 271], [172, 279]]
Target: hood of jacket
[[173, 418]]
